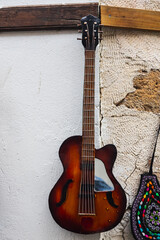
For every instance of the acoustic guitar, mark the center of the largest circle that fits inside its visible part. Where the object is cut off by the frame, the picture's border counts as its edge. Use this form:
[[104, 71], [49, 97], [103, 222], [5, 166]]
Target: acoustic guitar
[[87, 198]]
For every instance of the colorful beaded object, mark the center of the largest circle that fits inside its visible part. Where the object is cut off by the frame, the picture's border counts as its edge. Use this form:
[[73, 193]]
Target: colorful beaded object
[[146, 209], [145, 214]]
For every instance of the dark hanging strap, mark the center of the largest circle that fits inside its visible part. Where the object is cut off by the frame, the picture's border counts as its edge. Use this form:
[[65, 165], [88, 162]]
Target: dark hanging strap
[[151, 166]]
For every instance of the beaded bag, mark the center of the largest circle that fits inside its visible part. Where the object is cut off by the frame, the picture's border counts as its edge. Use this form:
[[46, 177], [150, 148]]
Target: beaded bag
[[145, 214]]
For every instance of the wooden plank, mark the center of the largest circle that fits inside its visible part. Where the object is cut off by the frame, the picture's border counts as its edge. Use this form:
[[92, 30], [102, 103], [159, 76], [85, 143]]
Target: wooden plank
[[130, 18], [45, 17]]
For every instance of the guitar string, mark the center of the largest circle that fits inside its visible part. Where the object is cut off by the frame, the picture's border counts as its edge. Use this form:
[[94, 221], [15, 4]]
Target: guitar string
[[92, 99], [89, 127], [86, 118], [84, 193], [88, 93], [84, 133], [90, 84], [93, 173], [88, 139], [84, 151], [93, 150], [90, 146]]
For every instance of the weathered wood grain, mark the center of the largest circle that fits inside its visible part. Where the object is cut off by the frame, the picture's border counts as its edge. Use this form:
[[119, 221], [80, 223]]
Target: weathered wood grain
[[45, 17], [130, 18]]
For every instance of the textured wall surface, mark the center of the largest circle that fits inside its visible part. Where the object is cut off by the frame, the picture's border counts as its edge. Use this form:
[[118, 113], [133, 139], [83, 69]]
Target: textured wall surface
[[130, 104]]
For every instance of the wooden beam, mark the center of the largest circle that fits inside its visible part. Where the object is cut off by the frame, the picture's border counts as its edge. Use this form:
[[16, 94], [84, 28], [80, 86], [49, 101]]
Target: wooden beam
[[130, 18], [45, 17]]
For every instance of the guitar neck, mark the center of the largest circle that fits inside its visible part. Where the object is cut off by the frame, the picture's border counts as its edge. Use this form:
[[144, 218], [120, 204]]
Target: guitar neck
[[88, 99], [88, 150], [90, 41]]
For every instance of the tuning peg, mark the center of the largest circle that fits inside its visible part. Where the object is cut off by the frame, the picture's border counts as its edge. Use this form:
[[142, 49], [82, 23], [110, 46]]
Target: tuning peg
[[79, 25], [79, 38], [100, 31], [79, 31]]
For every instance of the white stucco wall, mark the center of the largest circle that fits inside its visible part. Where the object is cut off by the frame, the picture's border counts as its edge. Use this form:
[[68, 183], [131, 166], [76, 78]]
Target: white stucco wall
[[124, 54], [41, 82]]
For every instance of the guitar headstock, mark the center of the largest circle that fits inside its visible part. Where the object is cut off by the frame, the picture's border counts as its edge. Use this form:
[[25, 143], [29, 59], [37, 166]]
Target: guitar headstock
[[90, 26]]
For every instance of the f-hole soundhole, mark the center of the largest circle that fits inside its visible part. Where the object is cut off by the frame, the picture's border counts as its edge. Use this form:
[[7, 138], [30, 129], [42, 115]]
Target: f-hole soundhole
[[64, 193]]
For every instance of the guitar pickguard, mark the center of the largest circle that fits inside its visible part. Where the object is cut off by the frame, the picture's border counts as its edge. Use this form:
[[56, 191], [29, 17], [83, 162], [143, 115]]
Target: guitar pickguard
[[102, 182]]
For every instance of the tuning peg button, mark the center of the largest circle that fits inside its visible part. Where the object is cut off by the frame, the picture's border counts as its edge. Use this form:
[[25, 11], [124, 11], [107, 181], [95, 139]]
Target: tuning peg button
[[79, 31]]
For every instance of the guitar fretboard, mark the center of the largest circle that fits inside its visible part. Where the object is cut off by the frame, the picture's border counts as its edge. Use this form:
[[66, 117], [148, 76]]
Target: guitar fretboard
[[87, 205]]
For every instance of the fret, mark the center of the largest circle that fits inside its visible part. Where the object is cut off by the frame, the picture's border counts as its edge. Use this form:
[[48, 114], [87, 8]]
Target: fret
[[91, 148], [89, 66], [88, 103], [89, 74], [87, 137], [87, 81], [90, 151], [86, 149], [89, 96], [88, 130], [88, 144], [91, 89], [89, 85], [87, 117], [88, 110]]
